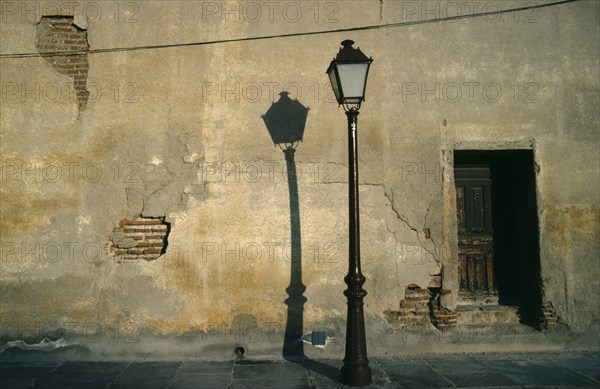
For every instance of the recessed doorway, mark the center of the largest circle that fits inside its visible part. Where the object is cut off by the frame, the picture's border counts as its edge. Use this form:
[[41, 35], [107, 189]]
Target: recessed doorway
[[498, 243]]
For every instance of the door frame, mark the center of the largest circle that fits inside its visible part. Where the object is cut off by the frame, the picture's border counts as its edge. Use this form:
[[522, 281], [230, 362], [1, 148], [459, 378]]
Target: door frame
[[450, 224]]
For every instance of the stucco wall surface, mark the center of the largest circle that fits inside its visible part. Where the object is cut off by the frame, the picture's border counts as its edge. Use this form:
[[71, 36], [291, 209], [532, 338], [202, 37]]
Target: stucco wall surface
[[177, 133]]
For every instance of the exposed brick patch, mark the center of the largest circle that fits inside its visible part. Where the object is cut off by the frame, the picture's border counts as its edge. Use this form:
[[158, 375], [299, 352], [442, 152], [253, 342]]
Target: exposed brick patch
[[548, 318], [414, 308], [141, 238], [422, 306], [60, 34], [441, 317]]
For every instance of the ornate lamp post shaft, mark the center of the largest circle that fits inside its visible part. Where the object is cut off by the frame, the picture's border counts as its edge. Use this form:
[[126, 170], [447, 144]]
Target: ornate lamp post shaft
[[356, 370], [348, 75]]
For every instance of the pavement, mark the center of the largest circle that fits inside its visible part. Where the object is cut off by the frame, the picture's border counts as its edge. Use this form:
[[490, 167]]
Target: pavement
[[502, 370]]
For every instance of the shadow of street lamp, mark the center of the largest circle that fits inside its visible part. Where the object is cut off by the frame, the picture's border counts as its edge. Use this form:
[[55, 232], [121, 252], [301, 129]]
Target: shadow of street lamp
[[285, 121]]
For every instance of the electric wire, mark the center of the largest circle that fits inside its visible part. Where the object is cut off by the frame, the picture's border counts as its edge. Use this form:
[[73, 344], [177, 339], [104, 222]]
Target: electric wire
[[288, 35]]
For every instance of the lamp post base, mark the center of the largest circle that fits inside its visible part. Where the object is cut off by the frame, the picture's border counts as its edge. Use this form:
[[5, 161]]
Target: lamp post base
[[356, 370], [356, 375]]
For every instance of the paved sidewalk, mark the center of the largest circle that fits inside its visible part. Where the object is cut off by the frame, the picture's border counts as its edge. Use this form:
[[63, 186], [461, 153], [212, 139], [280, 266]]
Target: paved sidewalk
[[547, 370]]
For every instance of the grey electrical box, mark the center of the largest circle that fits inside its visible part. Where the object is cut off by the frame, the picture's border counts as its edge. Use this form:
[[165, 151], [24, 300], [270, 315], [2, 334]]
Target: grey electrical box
[[319, 338]]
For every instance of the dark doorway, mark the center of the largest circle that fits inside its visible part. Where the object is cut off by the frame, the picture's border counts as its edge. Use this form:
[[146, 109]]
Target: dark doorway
[[498, 235]]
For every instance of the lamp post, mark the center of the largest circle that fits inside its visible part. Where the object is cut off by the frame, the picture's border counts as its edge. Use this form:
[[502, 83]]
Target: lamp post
[[348, 75]]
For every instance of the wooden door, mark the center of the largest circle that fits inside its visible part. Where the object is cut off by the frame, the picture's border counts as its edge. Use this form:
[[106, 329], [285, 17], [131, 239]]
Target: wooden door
[[475, 233]]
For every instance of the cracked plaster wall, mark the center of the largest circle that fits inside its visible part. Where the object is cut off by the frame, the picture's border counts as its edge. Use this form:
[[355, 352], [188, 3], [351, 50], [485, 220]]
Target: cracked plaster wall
[[168, 145]]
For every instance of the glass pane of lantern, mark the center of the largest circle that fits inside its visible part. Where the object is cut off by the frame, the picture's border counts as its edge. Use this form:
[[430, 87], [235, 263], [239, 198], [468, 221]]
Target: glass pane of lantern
[[334, 83], [353, 78]]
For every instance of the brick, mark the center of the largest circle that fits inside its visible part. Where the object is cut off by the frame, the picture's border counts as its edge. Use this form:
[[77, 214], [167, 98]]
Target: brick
[[391, 315], [416, 292], [150, 244], [155, 243], [418, 299], [145, 222], [139, 227]]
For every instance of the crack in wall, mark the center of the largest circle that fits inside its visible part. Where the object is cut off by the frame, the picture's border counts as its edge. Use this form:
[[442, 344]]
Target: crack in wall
[[405, 221], [398, 215], [163, 187], [434, 253], [423, 237]]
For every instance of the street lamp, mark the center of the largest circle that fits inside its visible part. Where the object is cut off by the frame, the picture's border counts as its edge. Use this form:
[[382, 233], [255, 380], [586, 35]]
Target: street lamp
[[348, 75]]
